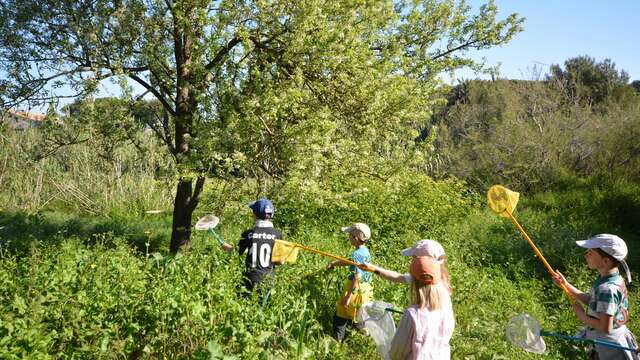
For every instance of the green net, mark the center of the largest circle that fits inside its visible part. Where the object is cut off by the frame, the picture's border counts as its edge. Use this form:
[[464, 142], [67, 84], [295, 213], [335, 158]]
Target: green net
[[209, 223], [502, 200]]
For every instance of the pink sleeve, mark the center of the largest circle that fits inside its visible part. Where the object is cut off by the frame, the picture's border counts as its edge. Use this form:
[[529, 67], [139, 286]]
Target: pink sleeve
[[449, 323], [401, 343]]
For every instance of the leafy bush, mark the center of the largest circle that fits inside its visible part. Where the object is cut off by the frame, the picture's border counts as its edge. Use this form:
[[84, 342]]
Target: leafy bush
[[522, 134]]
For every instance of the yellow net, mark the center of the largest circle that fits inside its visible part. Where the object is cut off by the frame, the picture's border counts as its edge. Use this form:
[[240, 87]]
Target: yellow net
[[502, 200], [284, 252]]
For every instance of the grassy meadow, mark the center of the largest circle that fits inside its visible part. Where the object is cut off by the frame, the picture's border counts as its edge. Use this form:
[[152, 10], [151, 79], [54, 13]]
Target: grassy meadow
[[85, 271]]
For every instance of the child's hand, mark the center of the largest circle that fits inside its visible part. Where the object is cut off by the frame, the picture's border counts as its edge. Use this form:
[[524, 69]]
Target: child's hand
[[367, 267], [227, 247], [559, 279], [346, 300]]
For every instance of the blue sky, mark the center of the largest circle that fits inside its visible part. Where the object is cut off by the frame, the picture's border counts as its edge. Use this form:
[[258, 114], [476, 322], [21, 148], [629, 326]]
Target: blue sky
[[557, 30]]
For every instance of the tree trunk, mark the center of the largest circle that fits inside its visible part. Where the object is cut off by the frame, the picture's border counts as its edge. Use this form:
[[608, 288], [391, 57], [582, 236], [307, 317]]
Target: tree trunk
[[186, 103], [185, 202]]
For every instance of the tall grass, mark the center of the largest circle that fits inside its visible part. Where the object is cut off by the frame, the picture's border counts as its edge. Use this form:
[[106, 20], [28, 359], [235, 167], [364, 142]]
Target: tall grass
[[77, 178]]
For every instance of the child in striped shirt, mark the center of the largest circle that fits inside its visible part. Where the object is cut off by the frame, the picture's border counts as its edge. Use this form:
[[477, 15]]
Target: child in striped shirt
[[607, 301]]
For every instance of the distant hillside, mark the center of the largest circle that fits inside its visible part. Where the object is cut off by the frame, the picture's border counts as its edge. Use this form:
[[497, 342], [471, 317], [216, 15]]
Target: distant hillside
[[528, 133]]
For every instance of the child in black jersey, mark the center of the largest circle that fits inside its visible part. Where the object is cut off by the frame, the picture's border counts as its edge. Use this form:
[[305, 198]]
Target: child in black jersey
[[258, 244]]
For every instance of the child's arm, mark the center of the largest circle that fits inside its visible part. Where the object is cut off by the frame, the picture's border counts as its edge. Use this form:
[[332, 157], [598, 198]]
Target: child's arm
[[559, 280], [226, 247], [336, 263], [603, 323], [243, 245], [347, 297], [386, 274]]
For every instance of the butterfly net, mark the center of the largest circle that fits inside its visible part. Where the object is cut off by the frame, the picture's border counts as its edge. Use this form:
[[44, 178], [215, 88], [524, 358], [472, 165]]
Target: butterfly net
[[379, 324], [501, 199], [284, 252], [207, 222], [524, 331]]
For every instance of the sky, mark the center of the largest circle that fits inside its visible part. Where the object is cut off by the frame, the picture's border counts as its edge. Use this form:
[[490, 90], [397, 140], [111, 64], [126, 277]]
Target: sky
[[555, 31]]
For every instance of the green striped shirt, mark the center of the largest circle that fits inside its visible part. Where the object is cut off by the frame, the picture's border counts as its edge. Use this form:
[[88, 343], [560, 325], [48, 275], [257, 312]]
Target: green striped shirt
[[608, 295]]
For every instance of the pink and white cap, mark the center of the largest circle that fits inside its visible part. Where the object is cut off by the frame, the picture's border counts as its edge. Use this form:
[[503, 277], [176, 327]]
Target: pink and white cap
[[425, 247]]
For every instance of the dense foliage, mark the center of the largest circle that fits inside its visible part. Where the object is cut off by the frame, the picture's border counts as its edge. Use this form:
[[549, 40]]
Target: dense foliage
[[78, 284], [530, 134], [257, 87]]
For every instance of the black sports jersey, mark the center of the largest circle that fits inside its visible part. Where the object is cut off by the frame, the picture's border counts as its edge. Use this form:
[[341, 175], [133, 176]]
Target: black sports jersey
[[258, 243]]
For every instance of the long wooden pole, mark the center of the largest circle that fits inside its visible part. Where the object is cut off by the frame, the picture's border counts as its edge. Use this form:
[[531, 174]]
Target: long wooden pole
[[538, 254], [350, 262]]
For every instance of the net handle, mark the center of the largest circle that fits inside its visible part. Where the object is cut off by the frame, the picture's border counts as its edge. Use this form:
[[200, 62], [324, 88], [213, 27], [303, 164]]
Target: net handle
[[571, 298], [591, 341], [360, 266], [216, 236]]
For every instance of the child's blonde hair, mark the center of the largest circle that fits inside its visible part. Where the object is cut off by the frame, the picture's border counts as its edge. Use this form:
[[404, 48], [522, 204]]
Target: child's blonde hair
[[430, 296], [445, 274]]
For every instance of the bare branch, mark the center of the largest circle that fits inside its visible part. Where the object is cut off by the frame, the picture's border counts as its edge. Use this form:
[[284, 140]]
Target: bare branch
[[459, 47], [222, 53], [269, 172], [163, 135], [169, 5], [164, 89], [59, 145], [154, 91], [265, 125]]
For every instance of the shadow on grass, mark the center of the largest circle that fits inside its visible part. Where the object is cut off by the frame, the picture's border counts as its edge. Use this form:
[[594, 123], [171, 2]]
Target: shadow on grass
[[19, 230]]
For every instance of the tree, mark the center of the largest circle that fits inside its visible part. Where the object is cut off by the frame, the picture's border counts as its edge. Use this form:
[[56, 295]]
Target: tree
[[586, 80], [265, 86]]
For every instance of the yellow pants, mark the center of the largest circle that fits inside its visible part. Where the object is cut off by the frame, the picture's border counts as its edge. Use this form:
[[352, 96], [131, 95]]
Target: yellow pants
[[362, 294]]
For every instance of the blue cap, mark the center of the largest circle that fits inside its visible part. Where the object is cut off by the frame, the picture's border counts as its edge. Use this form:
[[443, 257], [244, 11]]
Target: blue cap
[[262, 207]]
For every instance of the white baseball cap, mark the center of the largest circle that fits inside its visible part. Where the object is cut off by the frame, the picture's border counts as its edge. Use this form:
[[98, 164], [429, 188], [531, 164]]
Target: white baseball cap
[[362, 227], [612, 245], [425, 247]]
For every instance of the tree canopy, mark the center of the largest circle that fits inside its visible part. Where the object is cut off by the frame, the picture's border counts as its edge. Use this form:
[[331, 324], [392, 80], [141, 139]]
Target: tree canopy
[[264, 88], [588, 81]]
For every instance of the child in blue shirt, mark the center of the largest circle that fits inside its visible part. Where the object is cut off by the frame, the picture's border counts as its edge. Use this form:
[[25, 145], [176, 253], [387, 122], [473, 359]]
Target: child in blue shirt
[[357, 288]]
